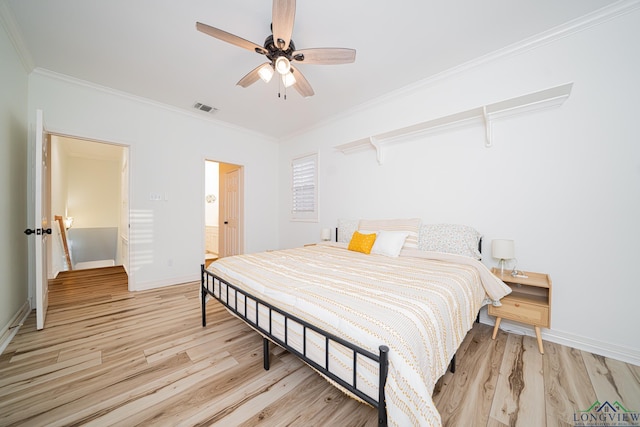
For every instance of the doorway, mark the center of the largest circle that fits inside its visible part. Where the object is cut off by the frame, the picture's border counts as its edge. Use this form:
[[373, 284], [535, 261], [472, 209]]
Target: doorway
[[223, 210], [90, 196]]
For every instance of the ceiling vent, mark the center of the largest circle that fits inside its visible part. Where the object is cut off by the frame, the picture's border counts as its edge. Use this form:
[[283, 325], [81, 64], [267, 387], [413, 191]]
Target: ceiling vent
[[205, 108]]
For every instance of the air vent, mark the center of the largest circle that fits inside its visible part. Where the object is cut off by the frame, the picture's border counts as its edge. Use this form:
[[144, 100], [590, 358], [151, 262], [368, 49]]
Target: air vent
[[205, 108]]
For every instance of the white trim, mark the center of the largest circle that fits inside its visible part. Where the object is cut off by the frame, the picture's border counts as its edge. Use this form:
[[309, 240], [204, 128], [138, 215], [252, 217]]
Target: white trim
[[11, 329], [613, 351]]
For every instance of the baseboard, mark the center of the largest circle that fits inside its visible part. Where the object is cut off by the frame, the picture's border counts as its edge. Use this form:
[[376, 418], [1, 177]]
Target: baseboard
[[10, 329], [623, 354], [165, 282]]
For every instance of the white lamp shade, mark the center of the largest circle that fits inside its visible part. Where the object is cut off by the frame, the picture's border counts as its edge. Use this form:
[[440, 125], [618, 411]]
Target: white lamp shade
[[325, 234], [288, 80], [266, 72], [282, 65], [503, 249]]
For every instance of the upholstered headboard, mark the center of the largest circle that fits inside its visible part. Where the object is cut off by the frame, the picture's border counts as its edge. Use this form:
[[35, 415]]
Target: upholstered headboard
[[449, 238]]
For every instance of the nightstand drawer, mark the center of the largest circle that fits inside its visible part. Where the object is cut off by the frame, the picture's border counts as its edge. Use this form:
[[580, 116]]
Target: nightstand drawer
[[521, 311]]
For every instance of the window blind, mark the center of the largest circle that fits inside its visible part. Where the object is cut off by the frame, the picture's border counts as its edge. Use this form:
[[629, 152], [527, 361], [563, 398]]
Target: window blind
[[304, 189]]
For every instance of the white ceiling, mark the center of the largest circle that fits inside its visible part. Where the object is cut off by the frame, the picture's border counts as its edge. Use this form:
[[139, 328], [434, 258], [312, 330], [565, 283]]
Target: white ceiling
[[92, 150], [150, 48]]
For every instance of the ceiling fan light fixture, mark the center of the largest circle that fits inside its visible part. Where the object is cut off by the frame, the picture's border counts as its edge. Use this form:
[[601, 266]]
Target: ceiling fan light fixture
[[266, 73], [283, 66], [288, 79]]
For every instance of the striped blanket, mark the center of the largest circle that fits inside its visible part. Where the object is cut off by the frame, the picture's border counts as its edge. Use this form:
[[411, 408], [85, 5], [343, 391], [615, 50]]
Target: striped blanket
[[421, 305]]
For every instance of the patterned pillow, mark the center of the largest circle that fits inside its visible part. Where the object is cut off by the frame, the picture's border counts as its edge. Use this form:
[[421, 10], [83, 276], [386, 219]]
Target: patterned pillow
[[362, 242], [346, 227], [450, 238], [410, 226]]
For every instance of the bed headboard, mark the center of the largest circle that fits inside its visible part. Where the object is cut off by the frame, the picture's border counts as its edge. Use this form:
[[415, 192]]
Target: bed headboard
[[449, 238]]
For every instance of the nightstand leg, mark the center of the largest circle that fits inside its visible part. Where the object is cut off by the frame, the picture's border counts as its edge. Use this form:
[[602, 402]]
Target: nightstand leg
[[496, 327], [539, 339]]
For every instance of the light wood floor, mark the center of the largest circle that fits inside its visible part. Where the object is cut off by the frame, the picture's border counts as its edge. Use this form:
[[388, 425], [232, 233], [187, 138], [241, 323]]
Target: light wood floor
[[110, 357]]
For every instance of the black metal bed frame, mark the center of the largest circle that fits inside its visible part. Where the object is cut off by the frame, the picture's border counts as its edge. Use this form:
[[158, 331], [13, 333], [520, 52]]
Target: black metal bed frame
[[209, 283]]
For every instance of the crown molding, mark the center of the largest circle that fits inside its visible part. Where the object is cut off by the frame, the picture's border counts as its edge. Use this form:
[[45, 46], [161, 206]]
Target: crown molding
[[139, 99], [9, 23]]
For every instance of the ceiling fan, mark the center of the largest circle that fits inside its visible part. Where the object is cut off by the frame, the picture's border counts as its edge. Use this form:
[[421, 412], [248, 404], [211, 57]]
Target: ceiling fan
[[281, 51]]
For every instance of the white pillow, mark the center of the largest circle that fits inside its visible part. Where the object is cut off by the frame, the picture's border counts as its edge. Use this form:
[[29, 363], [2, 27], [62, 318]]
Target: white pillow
[[389, 243]]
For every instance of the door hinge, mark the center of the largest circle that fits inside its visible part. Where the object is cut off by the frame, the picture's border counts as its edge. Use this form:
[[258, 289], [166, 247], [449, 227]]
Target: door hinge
[[38, 231]]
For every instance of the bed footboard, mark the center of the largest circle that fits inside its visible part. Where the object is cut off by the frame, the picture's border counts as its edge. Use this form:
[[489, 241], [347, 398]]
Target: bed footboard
[[252, 310]]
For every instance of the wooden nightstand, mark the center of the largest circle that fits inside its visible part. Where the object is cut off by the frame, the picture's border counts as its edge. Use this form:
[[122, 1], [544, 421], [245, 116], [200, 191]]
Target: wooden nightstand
[[529, 302]]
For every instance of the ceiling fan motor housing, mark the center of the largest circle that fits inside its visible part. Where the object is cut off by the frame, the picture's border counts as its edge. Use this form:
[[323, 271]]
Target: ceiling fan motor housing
[[273, 52]]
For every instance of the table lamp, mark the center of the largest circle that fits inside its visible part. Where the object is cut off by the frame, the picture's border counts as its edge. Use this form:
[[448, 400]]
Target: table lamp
[[502, 249]]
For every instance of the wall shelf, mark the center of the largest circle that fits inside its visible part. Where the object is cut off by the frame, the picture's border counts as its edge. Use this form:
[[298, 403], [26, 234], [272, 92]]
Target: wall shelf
[[484, 115]]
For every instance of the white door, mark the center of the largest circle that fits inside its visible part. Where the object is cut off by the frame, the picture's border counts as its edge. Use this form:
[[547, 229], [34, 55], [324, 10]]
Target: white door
[[231, 213], [41, 219]]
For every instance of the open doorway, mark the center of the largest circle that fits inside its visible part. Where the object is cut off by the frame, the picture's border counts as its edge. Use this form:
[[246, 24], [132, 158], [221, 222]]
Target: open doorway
[[223, 210], [90, 199]]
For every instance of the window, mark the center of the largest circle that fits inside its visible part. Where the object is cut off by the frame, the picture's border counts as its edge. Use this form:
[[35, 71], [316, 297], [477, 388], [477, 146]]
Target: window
[[304, 179]]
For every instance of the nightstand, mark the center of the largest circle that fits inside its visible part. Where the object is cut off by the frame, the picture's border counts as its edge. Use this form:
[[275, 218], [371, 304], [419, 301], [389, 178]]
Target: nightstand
[[529, 302]]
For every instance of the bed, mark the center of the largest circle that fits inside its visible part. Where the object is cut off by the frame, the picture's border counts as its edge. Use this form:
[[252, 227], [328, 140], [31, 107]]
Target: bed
[[382, 327]]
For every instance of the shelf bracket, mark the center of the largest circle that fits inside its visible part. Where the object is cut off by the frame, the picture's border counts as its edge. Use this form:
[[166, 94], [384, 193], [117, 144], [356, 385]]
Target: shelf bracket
[[488, 131], [379, 150]]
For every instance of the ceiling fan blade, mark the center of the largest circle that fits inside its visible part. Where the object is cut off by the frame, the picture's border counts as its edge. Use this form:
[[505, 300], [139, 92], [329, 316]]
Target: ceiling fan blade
[[301, 85], [252, 77], [284, 13], [326, 55], [229, 38]]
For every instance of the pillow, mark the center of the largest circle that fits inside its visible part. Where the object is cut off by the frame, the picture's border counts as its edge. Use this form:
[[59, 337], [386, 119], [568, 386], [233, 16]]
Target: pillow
[[346, 227], [389, 243], [450, 238], [411, 226], [362, 242]]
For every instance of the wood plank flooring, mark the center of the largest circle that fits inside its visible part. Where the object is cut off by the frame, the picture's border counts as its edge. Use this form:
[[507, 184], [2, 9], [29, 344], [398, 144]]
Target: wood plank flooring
[[111, 357]]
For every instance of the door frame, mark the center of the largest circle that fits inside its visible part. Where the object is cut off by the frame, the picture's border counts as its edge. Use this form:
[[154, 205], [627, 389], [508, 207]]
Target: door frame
[[31, 202], [222, 201]]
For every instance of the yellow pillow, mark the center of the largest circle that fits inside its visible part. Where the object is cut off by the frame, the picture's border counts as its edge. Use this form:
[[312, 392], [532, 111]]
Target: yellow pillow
[[362, 242]]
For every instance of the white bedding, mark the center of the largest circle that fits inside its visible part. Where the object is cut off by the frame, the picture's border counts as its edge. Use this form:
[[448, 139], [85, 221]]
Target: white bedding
[[421, 305]]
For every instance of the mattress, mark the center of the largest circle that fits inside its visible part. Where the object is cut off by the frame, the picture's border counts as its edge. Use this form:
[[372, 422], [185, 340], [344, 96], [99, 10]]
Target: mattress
[[420, 305]]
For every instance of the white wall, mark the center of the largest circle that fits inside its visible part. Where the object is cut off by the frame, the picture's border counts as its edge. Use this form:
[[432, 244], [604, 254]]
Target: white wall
[[563, 183], [167, 153], [13, 184], [93, 192]]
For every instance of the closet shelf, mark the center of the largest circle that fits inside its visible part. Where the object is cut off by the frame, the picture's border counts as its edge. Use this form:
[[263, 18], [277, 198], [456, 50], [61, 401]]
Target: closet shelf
[[484, 115]]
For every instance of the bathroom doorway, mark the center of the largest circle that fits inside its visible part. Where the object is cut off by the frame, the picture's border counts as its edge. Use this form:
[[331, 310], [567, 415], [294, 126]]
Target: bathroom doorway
[[223, 210]]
